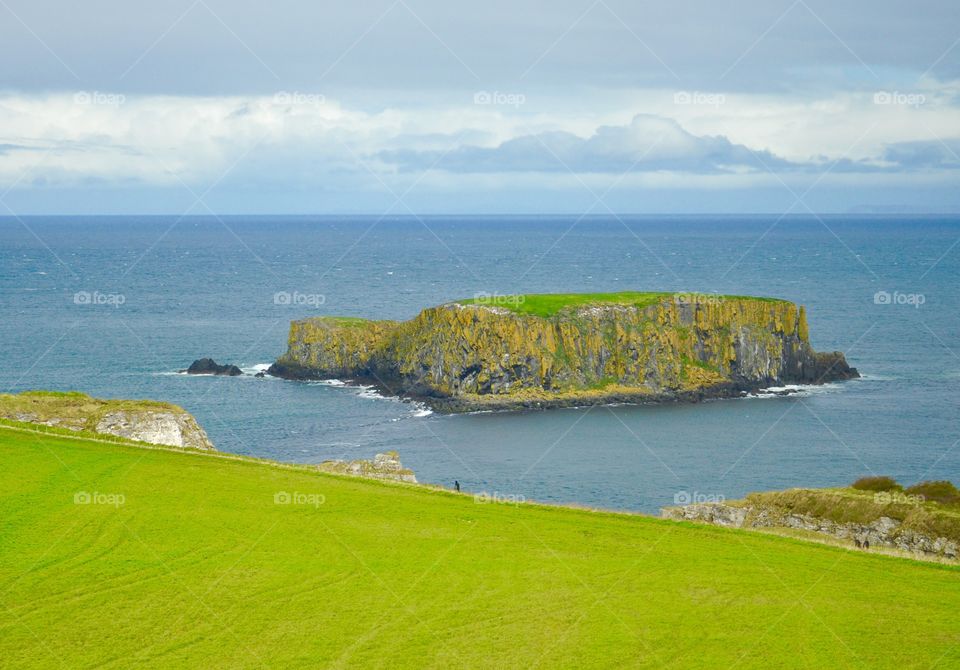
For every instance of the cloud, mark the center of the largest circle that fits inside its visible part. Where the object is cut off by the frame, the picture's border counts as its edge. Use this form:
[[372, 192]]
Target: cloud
[[311, 149], [647, 143], [937, 154]]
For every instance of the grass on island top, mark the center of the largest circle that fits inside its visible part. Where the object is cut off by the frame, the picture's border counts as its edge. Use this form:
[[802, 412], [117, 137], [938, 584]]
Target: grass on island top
[[345, 321], [548, 304], [117, 556]]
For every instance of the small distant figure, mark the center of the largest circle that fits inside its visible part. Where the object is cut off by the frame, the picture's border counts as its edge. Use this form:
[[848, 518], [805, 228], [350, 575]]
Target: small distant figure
[[866, 544], [456, 485], [858, 543]]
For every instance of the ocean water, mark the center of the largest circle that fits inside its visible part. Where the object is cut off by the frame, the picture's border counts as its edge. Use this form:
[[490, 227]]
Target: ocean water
[[114, 306]]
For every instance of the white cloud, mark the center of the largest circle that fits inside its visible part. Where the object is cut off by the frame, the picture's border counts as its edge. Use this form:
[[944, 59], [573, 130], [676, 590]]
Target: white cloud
[[302, 140]]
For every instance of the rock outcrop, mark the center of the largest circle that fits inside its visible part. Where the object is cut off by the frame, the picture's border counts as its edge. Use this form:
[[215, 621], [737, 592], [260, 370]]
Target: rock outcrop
[[170, 428], [906, 527], [462, 356], [383, 466], [208, 366], [141, 420]]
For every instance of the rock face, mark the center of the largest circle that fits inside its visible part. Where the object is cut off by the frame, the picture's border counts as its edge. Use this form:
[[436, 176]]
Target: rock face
[[141, 420], [383, 466], [882, 531], [167, 428], [463, 356], [208, 366]]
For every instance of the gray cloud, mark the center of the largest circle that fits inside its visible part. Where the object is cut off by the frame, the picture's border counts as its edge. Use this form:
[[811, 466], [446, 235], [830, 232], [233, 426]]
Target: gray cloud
[[648, 143], [924, 154], [652, 143]]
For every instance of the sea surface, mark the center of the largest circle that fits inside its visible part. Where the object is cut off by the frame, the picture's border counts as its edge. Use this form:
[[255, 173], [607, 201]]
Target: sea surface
[[114, 306]]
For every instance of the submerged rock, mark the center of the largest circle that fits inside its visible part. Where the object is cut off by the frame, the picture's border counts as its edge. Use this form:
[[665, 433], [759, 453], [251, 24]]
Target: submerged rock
[[464, 356], [383, 466], [208, 366]]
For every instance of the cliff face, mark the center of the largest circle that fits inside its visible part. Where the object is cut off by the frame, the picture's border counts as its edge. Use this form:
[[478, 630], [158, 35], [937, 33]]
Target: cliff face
[[466, 354], [141, 420]]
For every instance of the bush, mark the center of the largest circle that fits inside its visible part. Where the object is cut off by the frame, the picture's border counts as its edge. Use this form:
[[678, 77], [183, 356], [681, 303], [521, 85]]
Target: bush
[[877, 484], [940, 491]]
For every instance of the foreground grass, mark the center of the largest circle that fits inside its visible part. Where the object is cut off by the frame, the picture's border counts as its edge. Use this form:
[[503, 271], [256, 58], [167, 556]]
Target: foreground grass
[[548, 304], [198, 566]]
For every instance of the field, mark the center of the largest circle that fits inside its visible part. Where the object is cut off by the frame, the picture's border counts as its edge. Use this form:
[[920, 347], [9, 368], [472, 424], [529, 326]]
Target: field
[[548, 304], [119, 556]]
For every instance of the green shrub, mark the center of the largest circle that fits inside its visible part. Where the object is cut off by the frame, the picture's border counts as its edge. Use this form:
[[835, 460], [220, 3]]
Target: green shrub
[[877, 484], [940, 491]]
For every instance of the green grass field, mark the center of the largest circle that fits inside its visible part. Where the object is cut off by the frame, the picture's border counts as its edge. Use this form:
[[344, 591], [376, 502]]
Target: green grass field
[[188, 560], [548, 304]]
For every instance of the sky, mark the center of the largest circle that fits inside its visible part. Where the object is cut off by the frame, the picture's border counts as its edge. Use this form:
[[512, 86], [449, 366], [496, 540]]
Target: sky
[[428, 107]]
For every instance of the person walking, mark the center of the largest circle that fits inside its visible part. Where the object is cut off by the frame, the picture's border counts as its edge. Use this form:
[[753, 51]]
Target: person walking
[[456, 485]]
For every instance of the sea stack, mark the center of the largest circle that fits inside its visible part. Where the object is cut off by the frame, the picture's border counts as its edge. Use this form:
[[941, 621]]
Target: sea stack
[[564, 350]]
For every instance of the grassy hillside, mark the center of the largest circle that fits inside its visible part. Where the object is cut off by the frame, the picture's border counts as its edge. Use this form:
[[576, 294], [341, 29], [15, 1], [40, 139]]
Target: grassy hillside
[[190, 560]]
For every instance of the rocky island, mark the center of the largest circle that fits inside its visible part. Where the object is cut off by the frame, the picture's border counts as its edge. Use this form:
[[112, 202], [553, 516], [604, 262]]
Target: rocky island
[[557, 350], [208, 366]]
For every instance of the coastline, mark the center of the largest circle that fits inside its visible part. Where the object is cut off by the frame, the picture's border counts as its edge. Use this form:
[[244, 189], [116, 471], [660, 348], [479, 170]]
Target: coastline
[[538, 399]]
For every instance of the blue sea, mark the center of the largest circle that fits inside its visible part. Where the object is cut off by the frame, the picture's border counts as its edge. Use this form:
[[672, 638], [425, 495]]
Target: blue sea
[[114, 306]]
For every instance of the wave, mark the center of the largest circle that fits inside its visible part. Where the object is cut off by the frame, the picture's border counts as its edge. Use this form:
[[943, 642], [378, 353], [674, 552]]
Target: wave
[[798, 390], [328, 382], [418, 409], [254, 369]]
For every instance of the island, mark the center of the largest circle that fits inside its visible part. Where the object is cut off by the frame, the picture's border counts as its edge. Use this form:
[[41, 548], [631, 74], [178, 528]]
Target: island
[[562, 350]]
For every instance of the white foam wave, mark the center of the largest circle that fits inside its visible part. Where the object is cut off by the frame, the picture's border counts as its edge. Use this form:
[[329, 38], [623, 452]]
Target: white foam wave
[[418, 409], [421, 411], [798, 390]]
